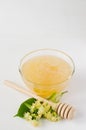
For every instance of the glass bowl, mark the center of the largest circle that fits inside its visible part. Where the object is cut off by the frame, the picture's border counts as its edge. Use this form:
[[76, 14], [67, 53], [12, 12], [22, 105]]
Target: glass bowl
[[42, 89]]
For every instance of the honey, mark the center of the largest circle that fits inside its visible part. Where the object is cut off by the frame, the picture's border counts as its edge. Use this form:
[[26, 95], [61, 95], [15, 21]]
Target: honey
[[47, 74]]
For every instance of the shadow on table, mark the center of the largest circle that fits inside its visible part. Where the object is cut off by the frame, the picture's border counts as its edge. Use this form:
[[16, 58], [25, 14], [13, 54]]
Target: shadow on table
[[77, 96]]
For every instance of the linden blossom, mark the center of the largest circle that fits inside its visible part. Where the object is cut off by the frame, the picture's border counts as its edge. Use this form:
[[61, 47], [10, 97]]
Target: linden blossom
[[33, 110]]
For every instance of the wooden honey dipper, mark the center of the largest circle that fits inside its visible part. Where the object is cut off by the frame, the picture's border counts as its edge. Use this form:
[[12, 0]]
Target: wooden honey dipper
[[64, 110]]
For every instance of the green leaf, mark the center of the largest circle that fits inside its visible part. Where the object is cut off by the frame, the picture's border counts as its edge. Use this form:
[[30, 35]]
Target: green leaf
[[25, 107], [56, 97], [28, 105]]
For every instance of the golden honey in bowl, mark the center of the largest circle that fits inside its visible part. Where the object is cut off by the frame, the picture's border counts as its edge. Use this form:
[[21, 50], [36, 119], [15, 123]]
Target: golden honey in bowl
[[46, 74]]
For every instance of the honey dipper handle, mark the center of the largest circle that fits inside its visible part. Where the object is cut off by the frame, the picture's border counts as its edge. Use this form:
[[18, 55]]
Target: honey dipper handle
[[26, 92], [16, 87]]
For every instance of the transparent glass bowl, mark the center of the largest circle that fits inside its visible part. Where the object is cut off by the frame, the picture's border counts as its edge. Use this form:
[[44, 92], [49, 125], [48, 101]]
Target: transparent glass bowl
[[45, 90]]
